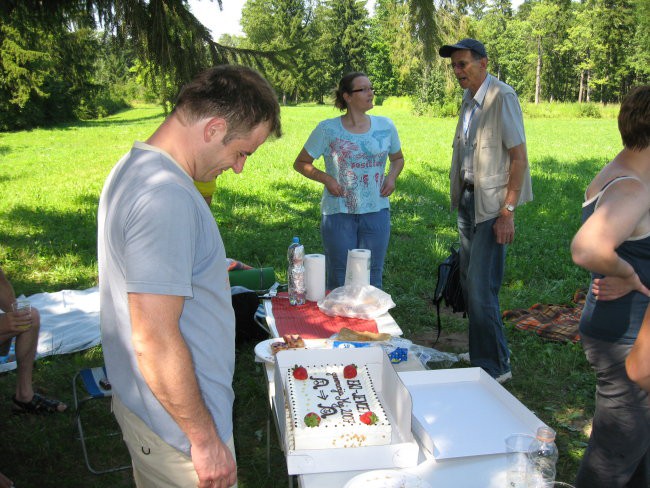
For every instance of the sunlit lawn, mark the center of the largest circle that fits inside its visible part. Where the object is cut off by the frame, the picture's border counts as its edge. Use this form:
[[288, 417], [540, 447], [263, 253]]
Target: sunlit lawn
[[50, 181]]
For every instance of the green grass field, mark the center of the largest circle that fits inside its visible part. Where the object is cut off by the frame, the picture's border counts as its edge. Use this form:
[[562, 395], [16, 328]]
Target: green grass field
[[50, 181]]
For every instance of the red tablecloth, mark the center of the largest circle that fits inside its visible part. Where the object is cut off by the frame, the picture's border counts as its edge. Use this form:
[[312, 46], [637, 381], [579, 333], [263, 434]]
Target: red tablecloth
[[308, 321]]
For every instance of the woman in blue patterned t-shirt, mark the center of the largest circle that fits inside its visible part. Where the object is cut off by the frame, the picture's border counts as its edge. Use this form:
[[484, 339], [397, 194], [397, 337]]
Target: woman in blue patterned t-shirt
[[355, 148]]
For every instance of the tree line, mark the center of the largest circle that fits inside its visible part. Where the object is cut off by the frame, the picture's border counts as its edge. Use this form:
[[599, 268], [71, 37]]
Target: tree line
[[67, 59], [548, 50]]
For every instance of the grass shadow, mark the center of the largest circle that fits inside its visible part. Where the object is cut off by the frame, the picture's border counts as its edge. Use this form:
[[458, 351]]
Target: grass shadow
[[42, 239]]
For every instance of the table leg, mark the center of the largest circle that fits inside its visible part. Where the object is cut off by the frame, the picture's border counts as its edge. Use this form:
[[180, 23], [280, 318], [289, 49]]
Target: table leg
[[268, 442]]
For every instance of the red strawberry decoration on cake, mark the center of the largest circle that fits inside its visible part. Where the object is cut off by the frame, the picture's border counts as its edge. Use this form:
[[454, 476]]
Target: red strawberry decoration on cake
[[350, 371], [300, 372], [312, 420], [369, 418]]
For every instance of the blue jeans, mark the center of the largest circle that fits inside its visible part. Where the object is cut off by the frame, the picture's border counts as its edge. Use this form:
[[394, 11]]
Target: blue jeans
[[342, 232], [482, 263]]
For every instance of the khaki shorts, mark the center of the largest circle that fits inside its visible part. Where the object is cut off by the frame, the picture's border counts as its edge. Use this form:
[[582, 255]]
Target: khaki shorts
[[155, 463]]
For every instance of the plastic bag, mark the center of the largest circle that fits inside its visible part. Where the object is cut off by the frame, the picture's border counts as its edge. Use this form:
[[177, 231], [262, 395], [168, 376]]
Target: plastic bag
[[397, 349], [357, 301], [432, 358]]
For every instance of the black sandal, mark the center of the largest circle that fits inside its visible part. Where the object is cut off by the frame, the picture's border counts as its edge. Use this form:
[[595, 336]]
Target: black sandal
[[37, 405]]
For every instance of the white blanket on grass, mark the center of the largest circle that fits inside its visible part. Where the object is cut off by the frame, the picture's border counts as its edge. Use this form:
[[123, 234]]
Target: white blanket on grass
[[69, 323]]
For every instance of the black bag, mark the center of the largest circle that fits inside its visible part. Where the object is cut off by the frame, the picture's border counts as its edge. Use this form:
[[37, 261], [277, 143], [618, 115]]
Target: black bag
[[245, 303], [448, 287]]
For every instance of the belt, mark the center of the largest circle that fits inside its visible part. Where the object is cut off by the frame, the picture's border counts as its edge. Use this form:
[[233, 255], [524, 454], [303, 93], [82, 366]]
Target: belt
[[468, 187]]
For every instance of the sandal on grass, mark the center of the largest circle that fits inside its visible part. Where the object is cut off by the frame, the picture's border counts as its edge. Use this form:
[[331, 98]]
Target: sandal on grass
[[37, 405]]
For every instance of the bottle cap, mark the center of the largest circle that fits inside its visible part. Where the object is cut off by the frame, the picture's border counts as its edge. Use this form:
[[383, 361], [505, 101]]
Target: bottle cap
[[296, 239], [545, 434]]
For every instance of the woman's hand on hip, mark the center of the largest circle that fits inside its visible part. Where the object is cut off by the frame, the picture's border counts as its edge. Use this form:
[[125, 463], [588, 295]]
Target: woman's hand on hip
[[388, 187], [613, 287], [334, 187]]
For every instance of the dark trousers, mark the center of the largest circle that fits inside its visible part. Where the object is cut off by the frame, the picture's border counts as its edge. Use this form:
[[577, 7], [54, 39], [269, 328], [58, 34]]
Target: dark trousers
[[618, 454]]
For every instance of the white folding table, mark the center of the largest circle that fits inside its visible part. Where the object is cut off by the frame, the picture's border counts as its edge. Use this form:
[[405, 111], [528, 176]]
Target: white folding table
[[485, 471]]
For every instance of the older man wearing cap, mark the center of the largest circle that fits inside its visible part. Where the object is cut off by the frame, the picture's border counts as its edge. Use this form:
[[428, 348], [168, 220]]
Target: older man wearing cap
[[489, 179]]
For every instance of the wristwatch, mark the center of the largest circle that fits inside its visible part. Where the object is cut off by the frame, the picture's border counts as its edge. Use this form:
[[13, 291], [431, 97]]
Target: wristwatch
[[509, 207]]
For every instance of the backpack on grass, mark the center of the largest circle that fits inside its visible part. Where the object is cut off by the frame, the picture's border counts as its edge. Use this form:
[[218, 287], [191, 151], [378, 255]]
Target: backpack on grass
[[448, 287], [245, 303]]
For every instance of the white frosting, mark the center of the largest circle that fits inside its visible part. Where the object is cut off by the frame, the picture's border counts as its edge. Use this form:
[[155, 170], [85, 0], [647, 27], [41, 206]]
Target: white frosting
[[339, 402]]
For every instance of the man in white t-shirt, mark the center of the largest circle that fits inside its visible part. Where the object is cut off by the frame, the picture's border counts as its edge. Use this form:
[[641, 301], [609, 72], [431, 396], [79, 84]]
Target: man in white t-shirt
[[168, 327]]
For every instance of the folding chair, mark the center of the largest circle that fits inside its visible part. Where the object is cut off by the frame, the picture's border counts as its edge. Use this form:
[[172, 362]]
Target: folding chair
[[94, 381]]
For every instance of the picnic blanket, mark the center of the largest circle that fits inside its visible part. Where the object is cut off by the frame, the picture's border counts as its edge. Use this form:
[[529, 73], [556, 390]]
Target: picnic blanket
[[308, 321], [553, 322], [69, 323]]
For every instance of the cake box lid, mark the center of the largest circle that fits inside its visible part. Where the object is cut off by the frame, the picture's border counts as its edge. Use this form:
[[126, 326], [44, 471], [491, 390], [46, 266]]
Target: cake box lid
[[401, 453], [464, 412]]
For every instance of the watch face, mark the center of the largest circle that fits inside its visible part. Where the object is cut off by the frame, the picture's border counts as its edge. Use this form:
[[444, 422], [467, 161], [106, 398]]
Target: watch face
[[510, 208]]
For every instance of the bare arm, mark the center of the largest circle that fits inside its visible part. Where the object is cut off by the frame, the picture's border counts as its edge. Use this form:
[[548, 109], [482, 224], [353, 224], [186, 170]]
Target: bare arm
[[620, 209], [12, 323], [156, 334], [504, 226], [637, 363], [7, 295], [304, 165], [396, 167]]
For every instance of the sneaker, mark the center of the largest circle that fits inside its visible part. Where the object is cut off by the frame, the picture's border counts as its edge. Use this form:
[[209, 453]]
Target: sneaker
[[504, 377], [464, 356]]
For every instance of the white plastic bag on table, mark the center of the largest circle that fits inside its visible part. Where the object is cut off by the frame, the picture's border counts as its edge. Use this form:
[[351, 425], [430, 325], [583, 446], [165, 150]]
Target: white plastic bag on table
[[432, 358], [356, 301]]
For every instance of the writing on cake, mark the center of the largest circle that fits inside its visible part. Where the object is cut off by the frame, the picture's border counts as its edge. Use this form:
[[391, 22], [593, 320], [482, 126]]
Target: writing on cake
[[335, 406]]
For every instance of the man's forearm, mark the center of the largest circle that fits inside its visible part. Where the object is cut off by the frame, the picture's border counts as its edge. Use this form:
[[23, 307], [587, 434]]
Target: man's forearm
[[518, 167], [156, 335]]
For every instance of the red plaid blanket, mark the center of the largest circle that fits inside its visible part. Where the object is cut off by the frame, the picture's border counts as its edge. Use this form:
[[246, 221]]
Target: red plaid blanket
[[553, 322]]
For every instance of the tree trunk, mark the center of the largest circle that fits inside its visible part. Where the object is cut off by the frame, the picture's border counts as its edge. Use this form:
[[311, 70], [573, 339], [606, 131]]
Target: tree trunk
[[588, 86], [582, 85], [538, 74]]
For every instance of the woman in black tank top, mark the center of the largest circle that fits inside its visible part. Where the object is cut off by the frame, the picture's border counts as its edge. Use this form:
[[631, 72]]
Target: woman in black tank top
[[614, 244]]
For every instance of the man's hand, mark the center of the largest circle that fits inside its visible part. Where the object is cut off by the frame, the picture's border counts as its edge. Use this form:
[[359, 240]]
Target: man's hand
[[504, 228], [15, 322], [612, 287], [214, 465]]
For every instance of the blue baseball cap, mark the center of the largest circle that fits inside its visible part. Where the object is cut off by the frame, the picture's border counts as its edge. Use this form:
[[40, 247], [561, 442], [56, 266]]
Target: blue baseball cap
[[471, 44]]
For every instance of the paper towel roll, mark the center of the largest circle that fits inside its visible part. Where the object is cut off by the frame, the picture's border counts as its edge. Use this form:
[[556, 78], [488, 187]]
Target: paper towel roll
[[358, 267], [315, 277]]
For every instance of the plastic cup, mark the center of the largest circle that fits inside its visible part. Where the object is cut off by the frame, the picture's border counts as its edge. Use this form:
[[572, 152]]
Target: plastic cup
[[517, 459], [22, 305]]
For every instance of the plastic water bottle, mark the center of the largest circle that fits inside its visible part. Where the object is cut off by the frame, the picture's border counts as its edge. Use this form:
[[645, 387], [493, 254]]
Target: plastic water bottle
[[543, 455], [296, 272]]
